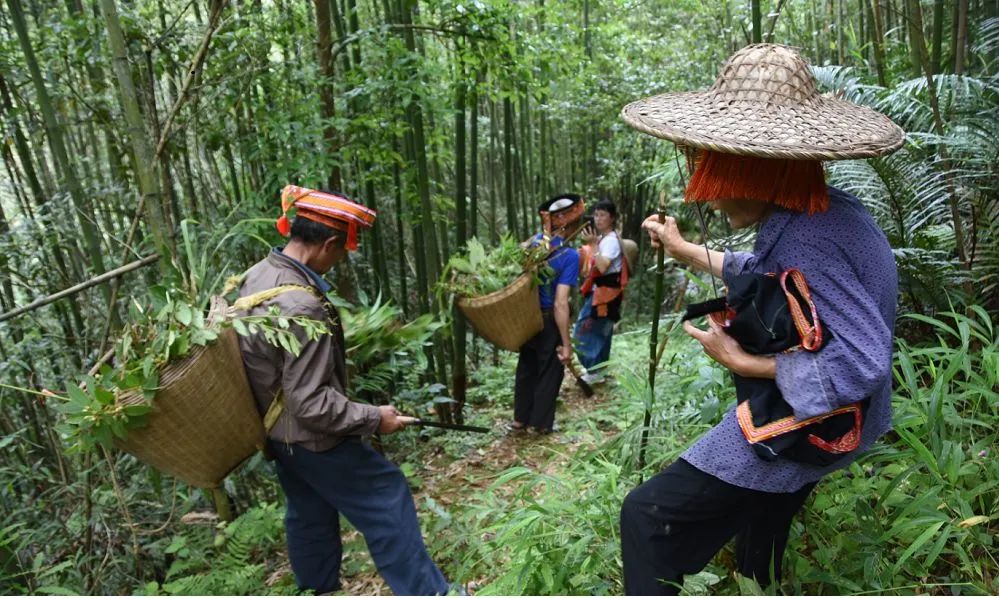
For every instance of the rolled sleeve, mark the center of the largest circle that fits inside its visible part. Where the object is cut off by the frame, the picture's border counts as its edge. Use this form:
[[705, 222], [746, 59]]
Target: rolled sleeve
[[310, 388], [856, 361]]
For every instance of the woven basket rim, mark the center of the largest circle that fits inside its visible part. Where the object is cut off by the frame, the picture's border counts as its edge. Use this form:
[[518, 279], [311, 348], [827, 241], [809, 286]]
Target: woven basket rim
[[515, 286], [173, 370], [765, 103]]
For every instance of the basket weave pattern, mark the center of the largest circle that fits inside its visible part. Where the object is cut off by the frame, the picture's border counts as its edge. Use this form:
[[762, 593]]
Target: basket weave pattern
[[509, 317], [204, 420], [765, 103]]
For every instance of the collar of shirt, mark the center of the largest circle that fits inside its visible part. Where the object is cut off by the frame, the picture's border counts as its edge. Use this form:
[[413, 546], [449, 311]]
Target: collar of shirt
[[769, 233], [773, 226], [320, 282]]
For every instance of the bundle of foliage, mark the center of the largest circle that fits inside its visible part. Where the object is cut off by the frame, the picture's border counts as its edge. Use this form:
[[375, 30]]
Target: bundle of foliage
[[380, 345], [479, 272], [163, 332]]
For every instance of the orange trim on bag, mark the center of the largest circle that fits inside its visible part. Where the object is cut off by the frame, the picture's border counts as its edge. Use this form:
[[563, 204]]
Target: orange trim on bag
[[788, 424], [845, 443], [810, 332]]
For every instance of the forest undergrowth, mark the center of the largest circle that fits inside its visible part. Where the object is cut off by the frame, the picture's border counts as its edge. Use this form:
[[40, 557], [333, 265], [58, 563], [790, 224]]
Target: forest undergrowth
[[527, 514]]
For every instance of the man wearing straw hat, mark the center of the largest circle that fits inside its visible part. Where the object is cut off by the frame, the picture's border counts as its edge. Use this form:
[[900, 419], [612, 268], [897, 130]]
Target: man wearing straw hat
[[324, 467], [758, 137], [541, 361]]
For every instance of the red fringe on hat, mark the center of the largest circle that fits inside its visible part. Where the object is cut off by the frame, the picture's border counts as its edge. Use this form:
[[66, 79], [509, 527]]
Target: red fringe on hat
[[797, 185]]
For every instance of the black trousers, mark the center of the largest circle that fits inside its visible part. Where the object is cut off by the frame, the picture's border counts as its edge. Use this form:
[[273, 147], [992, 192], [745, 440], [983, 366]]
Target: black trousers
[[673, 524], [539, 377]]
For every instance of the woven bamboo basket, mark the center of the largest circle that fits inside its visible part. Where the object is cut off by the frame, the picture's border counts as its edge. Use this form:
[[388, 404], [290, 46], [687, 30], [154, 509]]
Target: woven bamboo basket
[[509, 317], [204, 421]]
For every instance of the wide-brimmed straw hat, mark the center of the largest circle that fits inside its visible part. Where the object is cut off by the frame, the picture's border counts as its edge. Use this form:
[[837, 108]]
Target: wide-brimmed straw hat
[[765, 103]]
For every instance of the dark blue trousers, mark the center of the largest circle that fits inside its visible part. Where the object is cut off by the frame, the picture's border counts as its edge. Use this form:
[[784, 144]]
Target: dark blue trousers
[[372, 493]]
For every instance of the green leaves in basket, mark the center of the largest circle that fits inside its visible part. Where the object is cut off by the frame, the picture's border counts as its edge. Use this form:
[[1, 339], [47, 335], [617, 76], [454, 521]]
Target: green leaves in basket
[[93, 415], [167, 330], [479, 272]]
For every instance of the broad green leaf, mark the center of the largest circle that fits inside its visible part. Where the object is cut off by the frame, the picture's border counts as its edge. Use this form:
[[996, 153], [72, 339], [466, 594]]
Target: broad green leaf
[[184, 314], [922, 539]]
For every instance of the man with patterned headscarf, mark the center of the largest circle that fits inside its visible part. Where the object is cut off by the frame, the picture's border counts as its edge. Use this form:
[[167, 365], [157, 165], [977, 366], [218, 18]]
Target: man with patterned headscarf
[[542, 359], [316, 433]]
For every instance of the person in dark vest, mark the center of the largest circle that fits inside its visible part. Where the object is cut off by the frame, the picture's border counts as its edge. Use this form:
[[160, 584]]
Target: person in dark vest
[[606, 276], [324, 463], [757, 139], [542, 359]]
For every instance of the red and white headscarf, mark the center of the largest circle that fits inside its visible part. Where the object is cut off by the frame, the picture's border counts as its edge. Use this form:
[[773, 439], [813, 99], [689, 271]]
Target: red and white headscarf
[[335, 211]]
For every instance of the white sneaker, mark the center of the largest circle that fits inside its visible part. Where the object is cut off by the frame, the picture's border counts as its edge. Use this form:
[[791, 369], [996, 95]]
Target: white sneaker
[[592, 379]]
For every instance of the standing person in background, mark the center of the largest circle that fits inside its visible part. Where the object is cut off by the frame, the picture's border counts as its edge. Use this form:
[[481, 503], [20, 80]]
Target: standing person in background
[[541, 363], [602, 291]]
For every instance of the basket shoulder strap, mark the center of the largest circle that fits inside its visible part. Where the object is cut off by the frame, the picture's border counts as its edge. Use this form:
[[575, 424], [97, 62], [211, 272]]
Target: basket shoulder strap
[[253, 300]]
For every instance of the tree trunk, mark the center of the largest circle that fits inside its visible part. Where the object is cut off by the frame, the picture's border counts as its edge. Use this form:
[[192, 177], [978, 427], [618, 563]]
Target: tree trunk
[[400, 240], [511, 208], [914, 58], [326, 94], [142, 150], [863, 10], [493, 178], [877, 40], [962, 37], [840, 37], [938, 21], [340, 26], [473, 162], [757, 22], [459, 376]]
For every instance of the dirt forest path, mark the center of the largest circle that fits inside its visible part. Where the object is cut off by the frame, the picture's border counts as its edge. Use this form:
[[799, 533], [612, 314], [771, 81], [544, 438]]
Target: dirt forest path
[[448, 480]]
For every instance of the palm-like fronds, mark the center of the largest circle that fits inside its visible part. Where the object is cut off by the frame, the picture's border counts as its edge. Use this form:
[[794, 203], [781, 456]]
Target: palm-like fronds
[[904, 195], [911, 193]]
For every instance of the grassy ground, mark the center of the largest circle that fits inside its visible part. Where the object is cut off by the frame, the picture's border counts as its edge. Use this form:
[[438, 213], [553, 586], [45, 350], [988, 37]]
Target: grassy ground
[[499, 510], [528, 514]]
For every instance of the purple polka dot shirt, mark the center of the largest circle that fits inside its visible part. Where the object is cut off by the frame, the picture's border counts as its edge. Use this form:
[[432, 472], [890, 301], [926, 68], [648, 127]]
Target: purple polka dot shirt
[[850, 269]]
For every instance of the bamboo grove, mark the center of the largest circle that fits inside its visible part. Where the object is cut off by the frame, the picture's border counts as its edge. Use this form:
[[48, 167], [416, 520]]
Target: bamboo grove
[[142, 128]]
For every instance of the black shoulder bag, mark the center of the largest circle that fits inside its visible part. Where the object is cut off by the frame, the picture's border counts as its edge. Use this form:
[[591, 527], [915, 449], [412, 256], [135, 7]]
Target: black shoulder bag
[[774, 313]]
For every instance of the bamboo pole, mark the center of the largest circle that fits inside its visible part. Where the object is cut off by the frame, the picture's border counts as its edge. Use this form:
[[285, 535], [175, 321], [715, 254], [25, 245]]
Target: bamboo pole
[[142, 150], [653, 338], [149, 259], [192, 73]]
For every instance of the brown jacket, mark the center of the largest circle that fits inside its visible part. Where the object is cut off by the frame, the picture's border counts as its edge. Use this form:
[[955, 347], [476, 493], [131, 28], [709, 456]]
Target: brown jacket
[[317, 413]]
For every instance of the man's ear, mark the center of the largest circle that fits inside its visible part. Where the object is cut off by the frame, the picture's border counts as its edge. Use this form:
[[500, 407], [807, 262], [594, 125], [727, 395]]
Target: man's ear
[[332, 243]]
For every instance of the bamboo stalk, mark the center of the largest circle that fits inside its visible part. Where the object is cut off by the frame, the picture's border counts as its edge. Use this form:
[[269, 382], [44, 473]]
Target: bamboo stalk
[[653, 338], [149, 259], [189, 78]]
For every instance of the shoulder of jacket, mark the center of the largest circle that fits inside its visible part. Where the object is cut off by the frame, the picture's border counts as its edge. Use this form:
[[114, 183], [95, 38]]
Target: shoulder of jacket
[[300, 302]]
